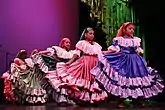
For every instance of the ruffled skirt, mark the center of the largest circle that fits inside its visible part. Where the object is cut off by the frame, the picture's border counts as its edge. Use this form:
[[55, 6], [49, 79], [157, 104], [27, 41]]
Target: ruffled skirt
[[56, 94], [77, 76], [27, 85], [8, 91], [127, 75]]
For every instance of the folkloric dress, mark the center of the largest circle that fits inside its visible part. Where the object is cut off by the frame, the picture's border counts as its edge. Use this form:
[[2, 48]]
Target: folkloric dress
[[78, 73], [125, 73]]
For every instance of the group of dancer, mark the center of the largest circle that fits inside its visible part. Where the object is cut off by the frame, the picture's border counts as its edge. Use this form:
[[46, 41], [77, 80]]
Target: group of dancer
[[85, 75]]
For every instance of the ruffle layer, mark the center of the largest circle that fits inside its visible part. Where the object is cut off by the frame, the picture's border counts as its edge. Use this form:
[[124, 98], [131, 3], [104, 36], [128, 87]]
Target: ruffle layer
[[50, 82], [87, 48], [125, 92], [24, 90], [59, 95], [86, 90], [135, 41], [118, 78], [38, 60], [8, 91], [125, 87]]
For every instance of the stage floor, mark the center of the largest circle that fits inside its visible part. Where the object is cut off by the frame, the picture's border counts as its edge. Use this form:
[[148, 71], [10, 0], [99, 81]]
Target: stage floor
[[53, 106]]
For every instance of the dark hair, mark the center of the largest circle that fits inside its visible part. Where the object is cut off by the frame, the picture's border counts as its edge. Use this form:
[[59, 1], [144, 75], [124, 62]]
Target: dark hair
[[22, 54], [86, 30]]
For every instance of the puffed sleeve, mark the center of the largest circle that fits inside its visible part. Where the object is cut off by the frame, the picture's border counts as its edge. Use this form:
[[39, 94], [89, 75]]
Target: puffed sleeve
[[51, 50], [114, 46], [29, 62], [79, 48], [138, 48]]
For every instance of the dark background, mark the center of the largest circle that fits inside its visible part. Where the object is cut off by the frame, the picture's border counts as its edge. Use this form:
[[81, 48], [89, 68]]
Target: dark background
[[152, 22]]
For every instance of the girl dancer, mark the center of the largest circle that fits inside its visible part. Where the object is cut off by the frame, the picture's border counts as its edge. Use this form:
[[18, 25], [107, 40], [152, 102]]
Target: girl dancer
[[50, 58], [25, 78], [8, 88], [54, 54], [77, 72], [123, 72]]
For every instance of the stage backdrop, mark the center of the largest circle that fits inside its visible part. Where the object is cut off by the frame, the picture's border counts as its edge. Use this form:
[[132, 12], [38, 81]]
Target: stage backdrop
[[30, 24]]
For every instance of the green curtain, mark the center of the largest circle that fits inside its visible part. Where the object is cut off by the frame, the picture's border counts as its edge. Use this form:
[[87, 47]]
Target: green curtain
[[113, 13]]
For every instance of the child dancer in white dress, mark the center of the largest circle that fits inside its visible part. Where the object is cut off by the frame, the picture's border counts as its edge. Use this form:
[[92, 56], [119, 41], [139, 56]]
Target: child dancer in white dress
[[77, 70]]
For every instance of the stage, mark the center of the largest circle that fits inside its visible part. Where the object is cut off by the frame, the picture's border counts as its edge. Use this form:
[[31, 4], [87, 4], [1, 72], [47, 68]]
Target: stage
[[52, 106], [156, 103]]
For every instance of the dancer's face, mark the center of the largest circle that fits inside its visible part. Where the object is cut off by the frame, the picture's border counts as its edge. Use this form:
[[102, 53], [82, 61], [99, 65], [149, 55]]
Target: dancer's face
[[89, 35], [67, 44], [129, 30]]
